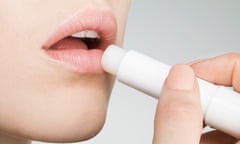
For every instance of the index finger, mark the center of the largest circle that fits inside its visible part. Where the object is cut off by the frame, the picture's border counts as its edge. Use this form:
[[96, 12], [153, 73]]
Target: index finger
[[221, 70]]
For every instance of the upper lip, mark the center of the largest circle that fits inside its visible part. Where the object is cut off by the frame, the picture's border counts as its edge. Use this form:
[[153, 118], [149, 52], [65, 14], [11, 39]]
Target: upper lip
[[101, 21]]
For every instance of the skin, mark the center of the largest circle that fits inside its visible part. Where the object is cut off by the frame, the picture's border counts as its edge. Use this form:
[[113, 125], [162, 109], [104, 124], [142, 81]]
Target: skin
[[41, 101], [184, 123]]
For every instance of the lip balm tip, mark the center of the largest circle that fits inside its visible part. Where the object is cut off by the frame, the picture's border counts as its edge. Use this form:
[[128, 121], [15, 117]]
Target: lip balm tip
[[112, 58]]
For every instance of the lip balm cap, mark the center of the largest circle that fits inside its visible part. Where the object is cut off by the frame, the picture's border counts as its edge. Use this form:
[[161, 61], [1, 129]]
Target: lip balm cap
[[112, 58], [223, 113]]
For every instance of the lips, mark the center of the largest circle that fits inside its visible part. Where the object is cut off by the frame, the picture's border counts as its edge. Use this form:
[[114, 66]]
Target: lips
[[95, 30]]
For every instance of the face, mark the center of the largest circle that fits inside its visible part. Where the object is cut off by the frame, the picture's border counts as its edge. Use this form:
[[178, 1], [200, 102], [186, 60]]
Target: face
[[52, 86]]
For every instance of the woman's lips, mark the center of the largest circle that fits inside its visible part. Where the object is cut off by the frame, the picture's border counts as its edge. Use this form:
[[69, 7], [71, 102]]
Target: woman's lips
[[74, 53]]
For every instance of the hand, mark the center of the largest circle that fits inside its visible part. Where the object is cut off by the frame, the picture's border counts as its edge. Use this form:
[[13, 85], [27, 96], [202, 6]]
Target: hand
[[221, 70], [179, 117]]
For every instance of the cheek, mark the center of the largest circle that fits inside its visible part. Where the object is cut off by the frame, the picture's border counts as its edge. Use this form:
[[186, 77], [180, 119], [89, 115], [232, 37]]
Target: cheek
[[120, 9]]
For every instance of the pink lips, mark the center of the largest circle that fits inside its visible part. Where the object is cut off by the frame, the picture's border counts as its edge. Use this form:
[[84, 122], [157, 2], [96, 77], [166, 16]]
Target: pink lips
[[74, 54]]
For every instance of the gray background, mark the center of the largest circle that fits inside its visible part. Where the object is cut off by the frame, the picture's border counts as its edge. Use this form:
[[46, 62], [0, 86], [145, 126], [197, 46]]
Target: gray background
[[171, 31]]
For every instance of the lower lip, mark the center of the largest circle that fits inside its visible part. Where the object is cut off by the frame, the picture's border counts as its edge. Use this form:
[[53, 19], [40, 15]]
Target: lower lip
[[75, 56]]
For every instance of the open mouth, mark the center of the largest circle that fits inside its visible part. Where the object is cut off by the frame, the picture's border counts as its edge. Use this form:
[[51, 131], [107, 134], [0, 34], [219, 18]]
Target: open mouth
[[90, 38], [79, 43], [87, 40]]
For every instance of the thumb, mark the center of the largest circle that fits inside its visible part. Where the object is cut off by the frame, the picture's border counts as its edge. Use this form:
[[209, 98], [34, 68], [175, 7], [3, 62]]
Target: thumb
[[178, 117]]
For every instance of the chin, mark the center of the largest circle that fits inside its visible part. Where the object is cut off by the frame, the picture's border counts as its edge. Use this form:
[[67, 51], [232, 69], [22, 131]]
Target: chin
[[72, 129], [69, 112]]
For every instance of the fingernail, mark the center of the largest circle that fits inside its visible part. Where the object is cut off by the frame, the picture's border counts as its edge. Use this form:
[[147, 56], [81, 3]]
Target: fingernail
[[180, 77]]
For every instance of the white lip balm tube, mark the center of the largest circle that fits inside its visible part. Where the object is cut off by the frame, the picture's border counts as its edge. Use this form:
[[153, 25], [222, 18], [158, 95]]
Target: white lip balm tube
[[220, 105]]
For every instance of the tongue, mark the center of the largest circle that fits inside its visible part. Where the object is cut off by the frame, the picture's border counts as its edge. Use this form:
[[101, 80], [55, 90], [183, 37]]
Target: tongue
[[69, 43]]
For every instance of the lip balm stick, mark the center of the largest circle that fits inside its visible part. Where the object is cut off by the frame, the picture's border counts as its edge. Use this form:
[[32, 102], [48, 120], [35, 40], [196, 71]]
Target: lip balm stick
[[220, 105]]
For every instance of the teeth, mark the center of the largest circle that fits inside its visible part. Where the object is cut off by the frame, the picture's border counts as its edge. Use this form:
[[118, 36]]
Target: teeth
[[86, 34]]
